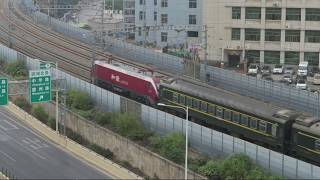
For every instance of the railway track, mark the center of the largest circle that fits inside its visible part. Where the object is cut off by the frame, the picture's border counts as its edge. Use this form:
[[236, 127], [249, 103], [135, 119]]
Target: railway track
[[81, 63]]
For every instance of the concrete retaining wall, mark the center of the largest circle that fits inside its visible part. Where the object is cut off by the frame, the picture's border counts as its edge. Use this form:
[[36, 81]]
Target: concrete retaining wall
[[108, 166], [139, 157]]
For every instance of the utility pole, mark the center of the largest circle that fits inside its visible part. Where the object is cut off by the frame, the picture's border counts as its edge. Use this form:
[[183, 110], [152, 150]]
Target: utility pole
[[205, 46], [49, 19], [144, 23], [102, 18], [10, 24]]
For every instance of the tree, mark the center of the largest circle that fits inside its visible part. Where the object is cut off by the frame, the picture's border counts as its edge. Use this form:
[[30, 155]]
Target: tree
[[236, 167], [172, 146], [212, 169], [39, 113], [22, 103], [17, 69], [128, 126], [79, 100]]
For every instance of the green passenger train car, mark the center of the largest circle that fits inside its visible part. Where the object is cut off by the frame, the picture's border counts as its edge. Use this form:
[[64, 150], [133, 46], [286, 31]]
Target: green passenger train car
[[244, 117], [305, 141]]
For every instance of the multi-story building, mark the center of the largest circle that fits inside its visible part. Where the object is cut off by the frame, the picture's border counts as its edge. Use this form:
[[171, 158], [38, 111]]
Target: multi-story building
[[129, 16], [168, 22], [263, 31]]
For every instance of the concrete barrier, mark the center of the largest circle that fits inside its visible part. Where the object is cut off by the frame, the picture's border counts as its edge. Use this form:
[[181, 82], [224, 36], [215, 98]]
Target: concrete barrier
[[2, 176], [108, 166]]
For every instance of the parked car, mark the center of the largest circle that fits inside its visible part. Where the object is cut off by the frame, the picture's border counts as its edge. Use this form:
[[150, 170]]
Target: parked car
[[316, 79], [253, 69], [303, 68], [301, 84], [266, 70], [313, 70], [289, 70], [288, 78], [278, 69]]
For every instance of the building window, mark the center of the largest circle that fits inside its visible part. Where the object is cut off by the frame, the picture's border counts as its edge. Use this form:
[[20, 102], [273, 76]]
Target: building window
[[312, 58], [236, 13], [312, 36], [164, 36], [164, 3], [155, 2], [312, 14], [155, 16], [293, 14], [192, 19], [253, 13], [253, 56], [317, 144], [164, 18], [272, 57], [292, 35], [244, 120], [139, 31], [292, 57], [141, 15], [252, 34], [272, 35], [192, 3], [273, 13], [235, 34], [253, 123], [193, 34], [142, 2]]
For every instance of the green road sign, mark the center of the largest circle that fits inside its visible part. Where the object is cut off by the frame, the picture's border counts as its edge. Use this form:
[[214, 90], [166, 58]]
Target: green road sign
[[3, 91], [45, 65], [40, 86]]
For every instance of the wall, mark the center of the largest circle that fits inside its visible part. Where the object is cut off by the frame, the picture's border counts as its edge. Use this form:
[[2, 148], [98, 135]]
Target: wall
[[150, 163]]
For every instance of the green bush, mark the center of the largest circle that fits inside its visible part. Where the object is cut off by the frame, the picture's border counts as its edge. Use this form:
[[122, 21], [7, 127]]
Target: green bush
[[128, 126], [103, 152], [22, 103], [172, 146], [79, 100], [236, 167], [103, 118], [52, 123], [17, 69], [212, 169], [39, 113]]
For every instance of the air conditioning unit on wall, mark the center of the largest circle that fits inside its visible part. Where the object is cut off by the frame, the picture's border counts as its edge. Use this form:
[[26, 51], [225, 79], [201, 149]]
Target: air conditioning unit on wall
[[276, 4]]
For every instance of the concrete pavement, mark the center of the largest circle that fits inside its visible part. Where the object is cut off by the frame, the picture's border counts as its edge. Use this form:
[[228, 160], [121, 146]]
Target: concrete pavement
[[29, 156]]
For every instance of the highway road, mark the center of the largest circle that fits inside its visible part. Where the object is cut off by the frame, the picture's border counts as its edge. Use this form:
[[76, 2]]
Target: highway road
[[27, 155]]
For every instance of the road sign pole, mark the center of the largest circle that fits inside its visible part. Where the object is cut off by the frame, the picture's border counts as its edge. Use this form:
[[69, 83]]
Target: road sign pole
[[57, 100]]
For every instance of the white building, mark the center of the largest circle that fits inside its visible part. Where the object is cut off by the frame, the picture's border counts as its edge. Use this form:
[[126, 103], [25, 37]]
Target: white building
[[263, 31], [129, 16], [168, 22]]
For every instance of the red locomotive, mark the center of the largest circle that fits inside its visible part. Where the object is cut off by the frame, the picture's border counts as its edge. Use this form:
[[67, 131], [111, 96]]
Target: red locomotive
[[130, 81]]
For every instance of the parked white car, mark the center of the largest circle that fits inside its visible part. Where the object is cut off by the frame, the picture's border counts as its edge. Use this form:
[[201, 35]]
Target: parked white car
[[253, 69], [301, 84], [303, 69], [278, 69], [316, 79]]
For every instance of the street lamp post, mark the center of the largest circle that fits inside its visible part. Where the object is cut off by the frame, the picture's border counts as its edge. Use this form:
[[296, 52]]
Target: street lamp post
[[187, 125]]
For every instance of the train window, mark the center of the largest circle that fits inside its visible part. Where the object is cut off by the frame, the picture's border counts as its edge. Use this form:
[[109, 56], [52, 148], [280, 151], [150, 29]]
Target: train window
[[227, 114], [317, 144], [196, 104], [175, 97], [244, 120], [189, 101], [211, 109], [182, 99], [204, 106], [253, 123], [262, 126], [168, 94], [219, 112], [235, 117], [274, 130]]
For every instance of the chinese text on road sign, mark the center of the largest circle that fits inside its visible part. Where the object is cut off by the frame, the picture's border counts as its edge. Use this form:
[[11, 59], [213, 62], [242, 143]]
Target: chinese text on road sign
[[3, 91], [40, 86]]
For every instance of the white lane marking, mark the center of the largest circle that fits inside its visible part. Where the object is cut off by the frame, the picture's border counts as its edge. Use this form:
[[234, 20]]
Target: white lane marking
[[35, 143], [7, 126], [6, 155]]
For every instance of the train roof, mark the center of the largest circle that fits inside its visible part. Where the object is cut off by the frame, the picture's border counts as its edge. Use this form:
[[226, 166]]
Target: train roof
[[308, 123], [232, 100]]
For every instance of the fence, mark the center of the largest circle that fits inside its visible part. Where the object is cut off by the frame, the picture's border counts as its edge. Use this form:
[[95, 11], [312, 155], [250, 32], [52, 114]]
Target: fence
[[201, 138], [277, 93]]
